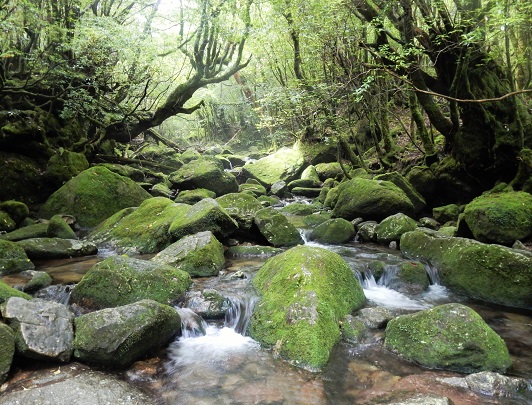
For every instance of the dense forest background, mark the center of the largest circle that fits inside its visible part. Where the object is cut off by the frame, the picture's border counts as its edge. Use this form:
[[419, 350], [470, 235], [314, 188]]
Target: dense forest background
[[390, 85]]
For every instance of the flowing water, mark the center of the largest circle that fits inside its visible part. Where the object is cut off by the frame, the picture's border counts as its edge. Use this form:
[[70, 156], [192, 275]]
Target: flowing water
[[215, 362]]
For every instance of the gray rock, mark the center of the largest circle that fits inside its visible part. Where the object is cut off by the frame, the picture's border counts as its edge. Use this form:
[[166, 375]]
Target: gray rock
[[74, 387], [200, 255], [367, 231], [375, 318], [495, 384], [57, 248], [278, 188], [118, 336], [43, 329], [208, 304], [424, 399]]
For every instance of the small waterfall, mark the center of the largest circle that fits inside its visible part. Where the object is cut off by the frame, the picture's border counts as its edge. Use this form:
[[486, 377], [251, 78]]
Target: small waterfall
[[56, 293], [433, 274], [192, 325], [239, 313]]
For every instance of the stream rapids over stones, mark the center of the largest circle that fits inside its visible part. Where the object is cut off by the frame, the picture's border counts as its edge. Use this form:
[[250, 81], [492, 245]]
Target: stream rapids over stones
[[216, 362]]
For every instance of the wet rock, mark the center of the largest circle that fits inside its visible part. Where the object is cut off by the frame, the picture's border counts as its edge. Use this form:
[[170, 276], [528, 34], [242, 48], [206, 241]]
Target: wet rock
[[200, 255], [285, 164], [57, 248], [371, 200], [94, 195], [75, 385], [7, 343], [333, 231], [495, 384], [278, 188], [13, 258], [367, 231], [276, 228], [410, 278], [500, 217], [375, 318], [450, 337], [391, 228], [118, 336], [252, 251], [120, 280], [353, 329], [205, 173], [36, 280], [209, 303], [305, 292], [206, 215], [423, 399], [241, 207], [491, 273], [191, 197], [43, 329], [141, 230]]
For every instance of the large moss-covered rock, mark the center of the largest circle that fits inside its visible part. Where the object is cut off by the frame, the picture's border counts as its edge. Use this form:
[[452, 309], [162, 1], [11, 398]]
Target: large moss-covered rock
[[491, 273], [299, 208], [276, 228], [206, 215], [7, 343], [446, 213], [116, 337], [333, 231], [241, 207], [371, 200], [65, 165], [13, 258], [16, 210], [43, 329], [286, 164], [500, 217], [331, 170], [6, 222], [305, 293], [142, 230], [193, 196], [200, 255], [396, 178], [39, 230], [451, 337], [94, 195], [204, 173], [57, 248], [7, 292], [120, 280], [391, 228], [59, 228]]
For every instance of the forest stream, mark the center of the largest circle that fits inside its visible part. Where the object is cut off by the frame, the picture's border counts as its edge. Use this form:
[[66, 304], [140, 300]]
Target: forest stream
[[224, 366]]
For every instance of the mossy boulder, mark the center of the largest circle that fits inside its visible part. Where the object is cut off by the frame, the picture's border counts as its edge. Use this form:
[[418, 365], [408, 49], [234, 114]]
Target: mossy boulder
[[491, 273], [206, 215], [371, 200], [241, 207], [205, 173], [299, 208], [7, 292], [13, 258], [308, 192], [391, 228], [120, 280], [36, 281], [305, 293], [409, 277], [252, 188], [7, 224], [163, 155], [333, 231], [126, 171], [331, 170], [141, 230], [200, 255], [191, 197], [57, 248], [38, 230], [116, 337], [316, 218], [277, 230], [59, 228], [16, 210], [367, 231], [500, 217], [94, 195], [286, 164], [396, 178], [7, 343], [65, 165], [447, 213], [450, 337]]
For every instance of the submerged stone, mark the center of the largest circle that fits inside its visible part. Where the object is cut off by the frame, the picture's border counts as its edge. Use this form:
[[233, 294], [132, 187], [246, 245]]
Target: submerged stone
[[305, 293], [450, 337]]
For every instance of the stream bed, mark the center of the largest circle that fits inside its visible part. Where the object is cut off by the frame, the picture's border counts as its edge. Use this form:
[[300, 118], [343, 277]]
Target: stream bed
[[227, 367]]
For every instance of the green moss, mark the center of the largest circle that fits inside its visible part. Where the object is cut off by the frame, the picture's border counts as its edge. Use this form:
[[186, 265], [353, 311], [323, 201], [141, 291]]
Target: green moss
[[94, 195], [451, 337], [194, 196], [316, 219], [143, 230], [120, 280], [277, 229], [500, 217], [305, 293], [64, 166], [392, 227], [447, 213], [333, 231], [241, 207], [256, 189], [13, 258], [298, 208], [17, 210], [7, 292], [39, 230], [414, 274], [7, 343], [6, 222], [58, 228]]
